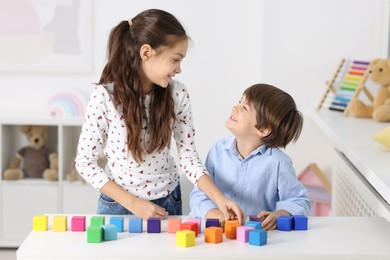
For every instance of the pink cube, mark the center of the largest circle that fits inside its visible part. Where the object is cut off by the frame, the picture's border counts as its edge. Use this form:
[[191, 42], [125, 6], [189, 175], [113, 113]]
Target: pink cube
[[78, 223], [198, 221], [243, 233], [174, 225]]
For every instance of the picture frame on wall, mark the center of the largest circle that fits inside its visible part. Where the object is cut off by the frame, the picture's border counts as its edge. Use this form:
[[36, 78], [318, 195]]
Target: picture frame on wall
[[46, 36]]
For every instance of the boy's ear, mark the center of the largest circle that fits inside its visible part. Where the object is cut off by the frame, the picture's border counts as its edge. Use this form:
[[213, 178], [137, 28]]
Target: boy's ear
[[145, 52], [263, 132]]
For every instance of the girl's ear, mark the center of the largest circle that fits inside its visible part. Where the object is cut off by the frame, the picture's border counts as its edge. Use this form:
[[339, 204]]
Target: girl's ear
[[145, 52], [263, 132]]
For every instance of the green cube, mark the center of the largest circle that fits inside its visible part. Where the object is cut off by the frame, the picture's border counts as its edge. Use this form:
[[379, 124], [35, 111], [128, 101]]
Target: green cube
[[97, 221], [95, 234]]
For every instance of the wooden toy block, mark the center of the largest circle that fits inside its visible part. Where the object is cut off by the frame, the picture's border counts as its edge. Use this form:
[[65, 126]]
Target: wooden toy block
[[40, 223], [135, 224], [59, 223], [118, 222], [78, 223], [300, 222], [198, 221], [98, 220], [190, 226], [174, 225], [185, 238], [231, 228], [213, 235], [212, 222], [243, 233], [255, 218], [254, 224], [285, 223], [95, 234], [257, 237], [109, 232], [154, 225]]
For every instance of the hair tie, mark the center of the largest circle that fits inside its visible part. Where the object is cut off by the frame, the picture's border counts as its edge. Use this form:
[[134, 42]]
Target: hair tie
[[130, 22]]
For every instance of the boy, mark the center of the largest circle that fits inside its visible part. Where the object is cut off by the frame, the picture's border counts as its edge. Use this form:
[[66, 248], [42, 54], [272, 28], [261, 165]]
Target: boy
[[249, 167]]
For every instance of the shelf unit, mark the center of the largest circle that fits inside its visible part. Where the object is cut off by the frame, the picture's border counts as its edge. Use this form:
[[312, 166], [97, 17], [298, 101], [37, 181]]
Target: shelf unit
[[21, 200]]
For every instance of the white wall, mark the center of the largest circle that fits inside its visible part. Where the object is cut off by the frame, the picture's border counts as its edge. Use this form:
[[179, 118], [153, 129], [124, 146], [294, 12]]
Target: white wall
[[294, 45]]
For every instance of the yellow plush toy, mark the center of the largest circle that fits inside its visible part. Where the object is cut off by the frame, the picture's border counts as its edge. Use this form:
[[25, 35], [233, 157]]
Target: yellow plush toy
[[383, 137], [380, 108]]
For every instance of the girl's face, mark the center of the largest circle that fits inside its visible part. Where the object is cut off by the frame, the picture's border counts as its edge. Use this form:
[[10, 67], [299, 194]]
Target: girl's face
[[160, 66], [242, 120]]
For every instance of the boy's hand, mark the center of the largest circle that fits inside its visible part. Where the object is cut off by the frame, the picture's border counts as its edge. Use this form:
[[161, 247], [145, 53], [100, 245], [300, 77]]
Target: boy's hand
[[271, 218], [231, 210], [216, 213]]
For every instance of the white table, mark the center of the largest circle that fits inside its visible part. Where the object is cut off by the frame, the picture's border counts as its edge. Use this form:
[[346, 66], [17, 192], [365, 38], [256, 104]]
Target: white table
[[327, 238]]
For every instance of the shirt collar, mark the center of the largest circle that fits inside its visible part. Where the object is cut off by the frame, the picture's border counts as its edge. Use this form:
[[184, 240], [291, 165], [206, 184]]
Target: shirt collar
[[231, 145]]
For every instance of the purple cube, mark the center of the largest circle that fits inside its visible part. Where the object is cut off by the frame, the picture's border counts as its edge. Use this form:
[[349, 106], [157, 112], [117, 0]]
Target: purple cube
[[255, 218], [212, 222], [154, 225]]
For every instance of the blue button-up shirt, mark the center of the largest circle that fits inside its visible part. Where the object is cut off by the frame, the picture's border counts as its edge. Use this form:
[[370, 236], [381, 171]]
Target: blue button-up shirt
[[265, 180]]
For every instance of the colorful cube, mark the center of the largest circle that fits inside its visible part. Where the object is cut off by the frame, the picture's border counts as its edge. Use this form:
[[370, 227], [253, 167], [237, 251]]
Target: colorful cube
[[212, 222], [190, 226], [40, 223], [185, 238], [231, 228], [110, 232], [98, 220], [78, 223], [255, 218], [135, 224], [300, 222], [154, 225], [197, 221], [59, 223], [118, 222], [285, 223], [213, 235], [174, 225], [243, 233], [95, 234], [257, 237], [254, 224]]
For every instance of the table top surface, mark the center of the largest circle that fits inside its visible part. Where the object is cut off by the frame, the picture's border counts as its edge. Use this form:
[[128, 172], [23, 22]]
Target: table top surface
[[354, 137], [326, 238]]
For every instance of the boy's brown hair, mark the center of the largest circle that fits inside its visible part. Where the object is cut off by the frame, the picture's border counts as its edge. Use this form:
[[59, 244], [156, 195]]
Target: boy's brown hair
[[277, 111]]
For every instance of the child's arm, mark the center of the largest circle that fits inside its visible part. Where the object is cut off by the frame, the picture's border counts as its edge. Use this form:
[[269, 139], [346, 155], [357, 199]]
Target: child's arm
[[140, 207], [270, 218]]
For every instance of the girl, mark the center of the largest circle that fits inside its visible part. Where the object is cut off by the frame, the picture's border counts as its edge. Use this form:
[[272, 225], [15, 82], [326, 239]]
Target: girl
[[131, 116]]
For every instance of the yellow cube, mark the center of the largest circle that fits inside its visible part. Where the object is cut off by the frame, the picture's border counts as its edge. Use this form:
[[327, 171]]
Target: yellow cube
[[40, 223], [185, 238], [59, 223]]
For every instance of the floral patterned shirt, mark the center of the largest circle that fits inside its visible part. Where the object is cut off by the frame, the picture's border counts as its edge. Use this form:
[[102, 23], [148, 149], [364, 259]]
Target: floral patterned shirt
[[104, 132]]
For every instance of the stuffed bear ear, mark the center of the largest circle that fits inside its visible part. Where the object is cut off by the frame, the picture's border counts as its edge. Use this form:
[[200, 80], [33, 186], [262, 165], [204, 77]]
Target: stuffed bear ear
[[25, 129], [375, 61]]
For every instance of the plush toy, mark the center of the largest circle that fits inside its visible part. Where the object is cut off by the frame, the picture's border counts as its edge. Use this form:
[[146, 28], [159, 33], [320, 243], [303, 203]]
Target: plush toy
[[35, 160], [383, 137], [380, 108], [74, 175]]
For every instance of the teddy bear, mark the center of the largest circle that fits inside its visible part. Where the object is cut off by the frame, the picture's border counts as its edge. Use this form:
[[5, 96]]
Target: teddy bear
[[74, 175], [380, 108], [34, 160]]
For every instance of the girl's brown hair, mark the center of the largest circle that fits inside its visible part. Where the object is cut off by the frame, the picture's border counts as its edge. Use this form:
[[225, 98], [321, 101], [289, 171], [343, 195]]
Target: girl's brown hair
[[275, 110], [156, 28]]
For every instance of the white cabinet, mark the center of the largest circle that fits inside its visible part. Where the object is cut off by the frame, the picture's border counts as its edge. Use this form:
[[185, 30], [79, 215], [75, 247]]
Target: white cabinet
[[22, 199]]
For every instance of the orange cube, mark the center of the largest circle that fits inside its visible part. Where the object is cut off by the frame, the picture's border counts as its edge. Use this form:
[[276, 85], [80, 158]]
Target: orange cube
[[213, 235], [231, 228]]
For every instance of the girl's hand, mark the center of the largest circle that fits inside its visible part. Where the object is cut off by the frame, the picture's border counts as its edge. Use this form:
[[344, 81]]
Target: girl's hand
[[146, 209], [271, 218], [230, 210]]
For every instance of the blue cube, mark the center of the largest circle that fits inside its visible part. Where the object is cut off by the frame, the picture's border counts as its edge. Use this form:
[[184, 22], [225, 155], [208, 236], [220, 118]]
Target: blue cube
[[257, 237], [254, 224], [154, 225], [285, 223], [109, 232], [135, 224], [212, 222], [300, 222], [118, 222]]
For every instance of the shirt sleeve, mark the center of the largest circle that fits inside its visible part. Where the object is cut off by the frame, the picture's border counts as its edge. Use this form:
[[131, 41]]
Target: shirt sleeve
[[293, 196], [92, 139], [200, 204], [184, 134]]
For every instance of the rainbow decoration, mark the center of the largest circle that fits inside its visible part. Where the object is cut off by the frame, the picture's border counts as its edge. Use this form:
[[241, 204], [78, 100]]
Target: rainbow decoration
[[66, 104]]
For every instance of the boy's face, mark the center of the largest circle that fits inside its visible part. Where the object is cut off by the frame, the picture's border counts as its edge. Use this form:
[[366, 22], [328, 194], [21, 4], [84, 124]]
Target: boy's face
[[242, 120]]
